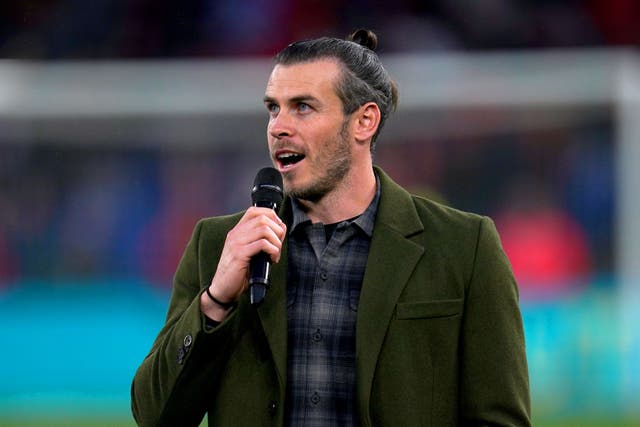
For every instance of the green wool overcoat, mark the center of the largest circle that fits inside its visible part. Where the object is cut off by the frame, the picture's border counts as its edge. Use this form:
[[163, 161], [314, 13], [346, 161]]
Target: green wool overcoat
[[439, 336]]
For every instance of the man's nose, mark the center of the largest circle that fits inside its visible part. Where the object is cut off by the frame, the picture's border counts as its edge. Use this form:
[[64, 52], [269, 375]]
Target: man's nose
[[281, 125]]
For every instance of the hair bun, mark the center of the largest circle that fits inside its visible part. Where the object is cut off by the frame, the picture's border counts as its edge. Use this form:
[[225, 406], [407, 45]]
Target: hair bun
[[366, 38]]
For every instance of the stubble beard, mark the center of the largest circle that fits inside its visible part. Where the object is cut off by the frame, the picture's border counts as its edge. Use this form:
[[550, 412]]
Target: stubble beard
[[339, 165]]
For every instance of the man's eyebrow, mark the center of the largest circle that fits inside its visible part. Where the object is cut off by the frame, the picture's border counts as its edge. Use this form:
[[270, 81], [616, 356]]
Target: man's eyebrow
[[303, 98], [296, 99]]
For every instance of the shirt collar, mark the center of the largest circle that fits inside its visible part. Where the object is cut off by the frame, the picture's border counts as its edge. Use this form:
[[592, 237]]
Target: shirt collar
[[365, 221]]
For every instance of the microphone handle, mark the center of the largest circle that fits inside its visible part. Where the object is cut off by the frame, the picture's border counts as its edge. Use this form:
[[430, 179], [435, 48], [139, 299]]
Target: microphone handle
[[259, 269]]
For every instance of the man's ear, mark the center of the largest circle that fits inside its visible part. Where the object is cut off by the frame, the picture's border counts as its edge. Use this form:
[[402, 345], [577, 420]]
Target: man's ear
[[366, 122]]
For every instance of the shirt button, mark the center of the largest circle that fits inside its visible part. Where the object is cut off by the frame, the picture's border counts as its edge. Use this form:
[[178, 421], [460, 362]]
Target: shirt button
[[324, 275], [317, 336], [315, 399]]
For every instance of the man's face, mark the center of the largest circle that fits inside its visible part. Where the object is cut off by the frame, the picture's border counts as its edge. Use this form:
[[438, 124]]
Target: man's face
[[307, 132]]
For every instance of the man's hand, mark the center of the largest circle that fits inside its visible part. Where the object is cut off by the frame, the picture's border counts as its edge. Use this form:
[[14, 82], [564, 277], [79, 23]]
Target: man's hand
[[259, 230]]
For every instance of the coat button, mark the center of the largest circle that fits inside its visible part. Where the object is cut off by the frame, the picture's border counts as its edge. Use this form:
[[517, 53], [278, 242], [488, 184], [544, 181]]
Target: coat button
[[187, 341], [273, 407]]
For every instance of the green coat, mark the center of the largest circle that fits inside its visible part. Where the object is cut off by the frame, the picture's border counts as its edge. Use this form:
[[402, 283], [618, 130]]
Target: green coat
[[439, 337]]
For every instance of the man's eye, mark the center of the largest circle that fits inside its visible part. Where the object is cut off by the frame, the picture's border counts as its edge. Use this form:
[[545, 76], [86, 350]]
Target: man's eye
[[273, 108], [303, 108]]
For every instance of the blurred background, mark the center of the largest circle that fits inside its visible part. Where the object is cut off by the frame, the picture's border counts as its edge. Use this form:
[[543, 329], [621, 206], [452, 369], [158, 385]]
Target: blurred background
[[124, 122]]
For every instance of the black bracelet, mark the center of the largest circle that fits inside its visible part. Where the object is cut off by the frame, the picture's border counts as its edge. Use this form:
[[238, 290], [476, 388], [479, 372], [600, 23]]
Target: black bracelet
[[225, 305]]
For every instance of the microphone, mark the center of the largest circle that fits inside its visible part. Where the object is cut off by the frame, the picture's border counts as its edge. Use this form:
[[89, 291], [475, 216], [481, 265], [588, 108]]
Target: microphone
[[266, 193]]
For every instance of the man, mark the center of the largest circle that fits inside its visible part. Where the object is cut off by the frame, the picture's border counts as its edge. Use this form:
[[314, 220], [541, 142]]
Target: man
[[386, 309]]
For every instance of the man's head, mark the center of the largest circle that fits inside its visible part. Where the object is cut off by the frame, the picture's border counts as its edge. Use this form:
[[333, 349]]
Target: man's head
[[363, 78], [327, 99]]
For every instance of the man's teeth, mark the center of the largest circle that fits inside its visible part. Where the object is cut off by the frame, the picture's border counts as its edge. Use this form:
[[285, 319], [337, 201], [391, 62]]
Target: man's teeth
[[290, 158]]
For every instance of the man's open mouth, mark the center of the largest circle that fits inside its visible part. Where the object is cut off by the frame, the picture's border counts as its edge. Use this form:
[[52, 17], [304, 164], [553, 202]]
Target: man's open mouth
[[288, 159]]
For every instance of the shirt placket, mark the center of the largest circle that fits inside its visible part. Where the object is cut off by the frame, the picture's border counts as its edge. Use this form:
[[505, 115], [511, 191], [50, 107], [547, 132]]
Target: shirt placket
[[317, 377], [322, 316]]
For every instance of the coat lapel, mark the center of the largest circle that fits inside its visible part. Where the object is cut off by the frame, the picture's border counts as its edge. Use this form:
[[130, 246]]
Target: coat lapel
[[392, 259], [273, 311]]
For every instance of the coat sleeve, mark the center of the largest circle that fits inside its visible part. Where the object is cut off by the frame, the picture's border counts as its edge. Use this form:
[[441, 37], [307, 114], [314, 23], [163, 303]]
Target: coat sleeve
[[177, 379], [494, 373]]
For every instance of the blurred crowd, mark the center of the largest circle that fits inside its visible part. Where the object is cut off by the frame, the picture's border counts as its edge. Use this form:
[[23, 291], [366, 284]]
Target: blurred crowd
[[117, 214], [159, 28], [110, 213]]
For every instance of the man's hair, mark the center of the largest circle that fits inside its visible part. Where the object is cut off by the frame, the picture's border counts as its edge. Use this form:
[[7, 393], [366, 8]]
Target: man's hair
[[363, 79]]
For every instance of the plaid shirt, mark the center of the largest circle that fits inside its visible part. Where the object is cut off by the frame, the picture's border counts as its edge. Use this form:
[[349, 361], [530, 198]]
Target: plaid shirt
[[326, 268]]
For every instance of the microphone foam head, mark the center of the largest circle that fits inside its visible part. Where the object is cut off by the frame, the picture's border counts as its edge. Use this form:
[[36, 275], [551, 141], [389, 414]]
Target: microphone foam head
[[267, 188]]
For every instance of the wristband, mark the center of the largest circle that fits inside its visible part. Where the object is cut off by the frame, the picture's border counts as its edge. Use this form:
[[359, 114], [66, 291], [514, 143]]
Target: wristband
[[225, 305]]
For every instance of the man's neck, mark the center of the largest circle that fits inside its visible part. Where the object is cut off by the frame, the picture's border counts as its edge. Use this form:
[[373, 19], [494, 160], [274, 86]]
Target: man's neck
[[349, 199]]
